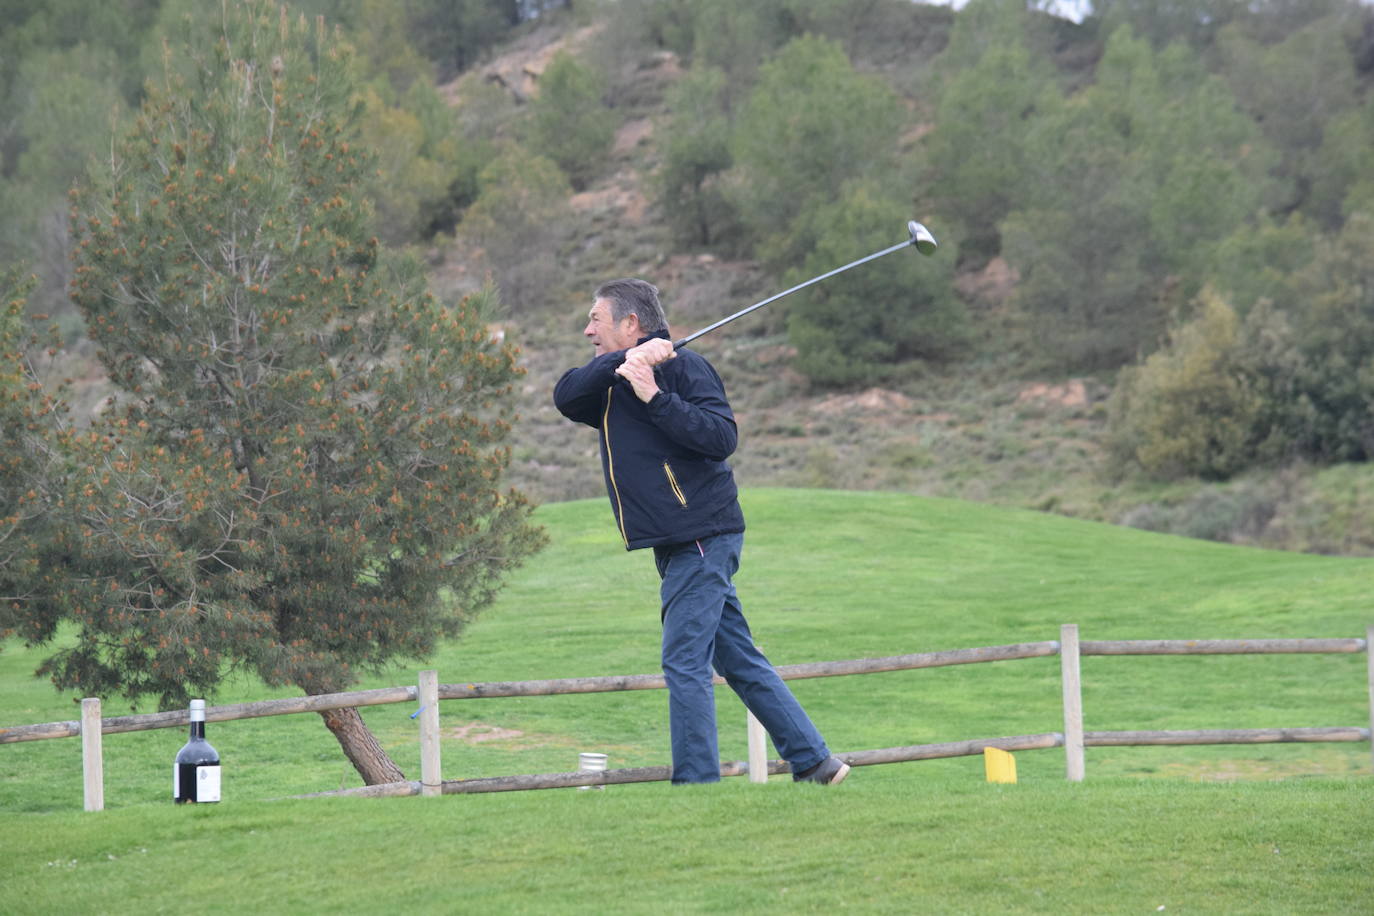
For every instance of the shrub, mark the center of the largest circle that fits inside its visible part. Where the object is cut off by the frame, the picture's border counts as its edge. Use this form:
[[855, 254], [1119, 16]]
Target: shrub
[[856, 328], [695, 153], [812, 124], [1332, 514], [522, 196], [569, 123], [1190, 408]]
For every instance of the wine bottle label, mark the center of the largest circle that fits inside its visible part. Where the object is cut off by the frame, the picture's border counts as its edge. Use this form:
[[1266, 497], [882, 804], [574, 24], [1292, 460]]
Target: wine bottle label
[[205, 788], [207, 784]]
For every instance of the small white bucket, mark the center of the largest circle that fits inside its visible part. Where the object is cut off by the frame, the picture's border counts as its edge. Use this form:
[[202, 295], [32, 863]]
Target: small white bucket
[[591, 763]]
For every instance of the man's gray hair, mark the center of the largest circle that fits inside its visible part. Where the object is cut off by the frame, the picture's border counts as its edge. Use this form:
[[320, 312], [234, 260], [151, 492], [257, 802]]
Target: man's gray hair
[[634, 297]]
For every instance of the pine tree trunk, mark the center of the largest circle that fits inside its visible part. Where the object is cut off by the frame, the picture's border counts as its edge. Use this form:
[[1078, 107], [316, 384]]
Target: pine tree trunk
[[373, 764]]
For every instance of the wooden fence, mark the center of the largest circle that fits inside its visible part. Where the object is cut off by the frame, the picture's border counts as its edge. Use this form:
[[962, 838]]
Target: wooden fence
[[428, 692]]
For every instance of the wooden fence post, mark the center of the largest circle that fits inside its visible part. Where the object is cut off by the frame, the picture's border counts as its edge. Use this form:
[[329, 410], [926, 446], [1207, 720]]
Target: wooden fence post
[[1369, 659], [431, 778], [1073, 702], [92, 756], [758, 749]]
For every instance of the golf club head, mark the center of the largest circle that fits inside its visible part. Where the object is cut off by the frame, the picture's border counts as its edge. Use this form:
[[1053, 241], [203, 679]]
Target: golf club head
[[921, 238]]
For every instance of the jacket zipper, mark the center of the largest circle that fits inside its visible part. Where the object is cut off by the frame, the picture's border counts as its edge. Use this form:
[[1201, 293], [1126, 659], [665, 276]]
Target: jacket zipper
[[610, 468], [672, 482]]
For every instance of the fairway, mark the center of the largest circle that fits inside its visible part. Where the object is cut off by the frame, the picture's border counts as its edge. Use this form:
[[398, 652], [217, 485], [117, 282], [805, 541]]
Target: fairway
[[826, 575], [897, 842]]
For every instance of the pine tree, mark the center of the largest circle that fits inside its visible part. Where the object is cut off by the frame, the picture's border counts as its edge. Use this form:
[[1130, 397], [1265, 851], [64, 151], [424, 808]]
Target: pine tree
[[569, 123], [300, 473], [33, 418], [1131, 186], [811, 124]]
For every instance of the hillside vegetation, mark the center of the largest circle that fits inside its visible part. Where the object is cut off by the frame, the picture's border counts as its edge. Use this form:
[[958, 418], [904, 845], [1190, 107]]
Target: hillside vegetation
[[1151, 304], [1007, 409]]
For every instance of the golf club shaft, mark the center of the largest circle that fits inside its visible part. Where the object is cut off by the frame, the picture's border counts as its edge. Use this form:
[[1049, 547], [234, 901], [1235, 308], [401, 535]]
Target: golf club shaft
[[922, 236]]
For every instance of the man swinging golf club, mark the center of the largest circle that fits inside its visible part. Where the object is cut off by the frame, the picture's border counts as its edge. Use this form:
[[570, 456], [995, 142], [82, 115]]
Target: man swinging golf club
[[666, 431], [665, 436]]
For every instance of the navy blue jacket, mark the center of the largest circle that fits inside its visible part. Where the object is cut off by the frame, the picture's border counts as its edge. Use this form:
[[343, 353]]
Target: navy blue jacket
[[664, 461]]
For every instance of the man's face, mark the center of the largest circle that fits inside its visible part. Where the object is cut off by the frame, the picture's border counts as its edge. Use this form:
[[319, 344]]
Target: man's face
[[606, 334]]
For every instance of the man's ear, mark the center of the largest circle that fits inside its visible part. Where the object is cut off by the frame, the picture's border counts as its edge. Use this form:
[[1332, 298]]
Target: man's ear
[[633, 326]]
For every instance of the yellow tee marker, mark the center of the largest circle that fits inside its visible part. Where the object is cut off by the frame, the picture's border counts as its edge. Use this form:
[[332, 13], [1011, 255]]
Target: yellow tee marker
[[999, 765]]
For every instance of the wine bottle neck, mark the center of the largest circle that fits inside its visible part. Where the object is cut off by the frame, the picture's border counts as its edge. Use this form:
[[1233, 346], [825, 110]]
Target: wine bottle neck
[[197, 731]]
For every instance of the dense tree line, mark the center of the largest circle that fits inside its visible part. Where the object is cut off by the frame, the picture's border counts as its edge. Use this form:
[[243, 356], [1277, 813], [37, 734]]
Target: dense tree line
[[1119, 165], [1190, 206], [72, 72]]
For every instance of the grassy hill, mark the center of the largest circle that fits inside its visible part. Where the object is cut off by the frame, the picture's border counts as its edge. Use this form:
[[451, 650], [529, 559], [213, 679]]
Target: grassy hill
[[826, 575]]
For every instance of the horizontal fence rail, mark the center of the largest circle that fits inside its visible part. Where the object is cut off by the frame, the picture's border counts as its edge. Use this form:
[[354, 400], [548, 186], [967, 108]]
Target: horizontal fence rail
[[428, 693], [1225, 736], [552, 687], [570, 685], [662, 773], [180, 717], [1221, 646], [920, 660], [970, 748]]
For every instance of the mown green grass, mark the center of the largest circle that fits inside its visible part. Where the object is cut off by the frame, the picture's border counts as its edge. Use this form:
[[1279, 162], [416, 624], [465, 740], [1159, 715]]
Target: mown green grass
[[826, 575], [894, 841]]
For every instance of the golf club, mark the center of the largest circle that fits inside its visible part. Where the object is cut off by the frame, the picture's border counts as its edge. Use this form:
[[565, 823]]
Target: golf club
[[920, 238]]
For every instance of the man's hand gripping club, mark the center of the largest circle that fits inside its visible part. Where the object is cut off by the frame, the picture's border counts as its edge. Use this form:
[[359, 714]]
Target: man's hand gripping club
[[639, 364]]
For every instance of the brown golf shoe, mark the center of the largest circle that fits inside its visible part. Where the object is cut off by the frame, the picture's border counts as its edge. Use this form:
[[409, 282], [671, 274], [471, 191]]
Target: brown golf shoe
[[829, 772]]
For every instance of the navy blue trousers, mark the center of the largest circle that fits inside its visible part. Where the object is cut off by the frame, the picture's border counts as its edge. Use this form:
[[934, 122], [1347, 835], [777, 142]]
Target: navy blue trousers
[[703, 627]]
